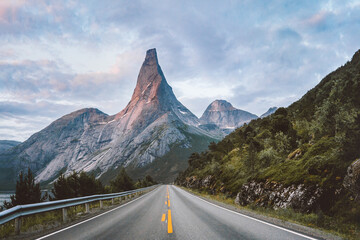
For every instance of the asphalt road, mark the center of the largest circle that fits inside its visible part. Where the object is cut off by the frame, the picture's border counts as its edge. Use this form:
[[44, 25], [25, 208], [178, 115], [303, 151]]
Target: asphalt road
[[172, 213]]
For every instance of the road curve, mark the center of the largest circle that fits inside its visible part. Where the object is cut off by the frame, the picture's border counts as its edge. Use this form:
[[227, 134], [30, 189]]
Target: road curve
[[172, 213]]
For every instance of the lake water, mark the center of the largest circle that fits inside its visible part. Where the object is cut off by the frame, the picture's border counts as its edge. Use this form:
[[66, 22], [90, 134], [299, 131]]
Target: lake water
[[5, 196]]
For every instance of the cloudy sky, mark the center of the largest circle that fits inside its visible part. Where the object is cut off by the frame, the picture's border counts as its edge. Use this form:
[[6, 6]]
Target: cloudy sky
[[60, 56]]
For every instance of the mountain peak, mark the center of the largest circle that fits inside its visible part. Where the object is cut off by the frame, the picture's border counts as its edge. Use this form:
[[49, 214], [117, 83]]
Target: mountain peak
[[220, 105], [153, 96], [150, 83], [225, 116], [150, 77], [151, 57]]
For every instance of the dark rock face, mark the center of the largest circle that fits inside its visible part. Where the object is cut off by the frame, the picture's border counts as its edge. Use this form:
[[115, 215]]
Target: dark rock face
[[225, 116], [265, 194], [192, 182], [276, 195], [352, 179]]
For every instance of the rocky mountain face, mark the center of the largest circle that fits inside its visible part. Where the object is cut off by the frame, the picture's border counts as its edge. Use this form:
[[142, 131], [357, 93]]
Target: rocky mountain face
[[7, 144], [153, 134], [226, 117], [269, 112]]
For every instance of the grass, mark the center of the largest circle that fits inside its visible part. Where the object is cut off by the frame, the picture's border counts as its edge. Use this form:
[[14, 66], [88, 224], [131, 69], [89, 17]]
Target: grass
[[33, 223], [318, 221], [7, 229]]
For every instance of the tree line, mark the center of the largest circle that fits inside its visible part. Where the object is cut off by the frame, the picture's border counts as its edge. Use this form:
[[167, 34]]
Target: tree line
[[77, 184]]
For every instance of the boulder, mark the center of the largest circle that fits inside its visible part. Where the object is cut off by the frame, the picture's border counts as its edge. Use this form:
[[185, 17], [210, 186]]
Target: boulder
[[352, 179]]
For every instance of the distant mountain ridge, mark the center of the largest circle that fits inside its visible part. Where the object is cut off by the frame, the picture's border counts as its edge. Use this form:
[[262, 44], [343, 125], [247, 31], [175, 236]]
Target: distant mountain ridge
[[153, 134], [269, 112], [221, 115], [225, 116]]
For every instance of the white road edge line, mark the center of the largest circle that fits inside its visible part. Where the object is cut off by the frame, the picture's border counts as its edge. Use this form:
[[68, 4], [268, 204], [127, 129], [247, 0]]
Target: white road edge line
[[64, 229], [243, 215]]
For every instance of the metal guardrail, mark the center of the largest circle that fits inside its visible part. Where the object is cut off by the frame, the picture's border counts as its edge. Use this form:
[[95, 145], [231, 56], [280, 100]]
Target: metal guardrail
[[29, 209]]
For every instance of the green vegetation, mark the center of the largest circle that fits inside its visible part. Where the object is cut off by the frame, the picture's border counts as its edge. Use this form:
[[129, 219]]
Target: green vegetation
[[76, 185], [312, 142], [26, 191], [122, 182], [146, 182], [82, 184]]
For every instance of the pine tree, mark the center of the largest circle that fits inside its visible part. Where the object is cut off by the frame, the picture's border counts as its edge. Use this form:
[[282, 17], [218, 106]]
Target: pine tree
[[122, 182], [76, 185], [61, 189], [89, 185], [27, 191]]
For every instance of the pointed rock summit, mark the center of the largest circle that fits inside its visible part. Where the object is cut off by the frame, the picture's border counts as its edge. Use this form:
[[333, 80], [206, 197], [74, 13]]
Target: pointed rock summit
[[225, 116], [149, 83], [153, 96]]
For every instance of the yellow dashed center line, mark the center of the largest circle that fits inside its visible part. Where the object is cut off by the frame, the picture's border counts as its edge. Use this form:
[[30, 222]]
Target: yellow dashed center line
[[167, 202], [170, 228]]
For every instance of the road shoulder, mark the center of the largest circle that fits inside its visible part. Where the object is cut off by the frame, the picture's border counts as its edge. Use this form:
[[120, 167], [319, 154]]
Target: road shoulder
[[281, 223]]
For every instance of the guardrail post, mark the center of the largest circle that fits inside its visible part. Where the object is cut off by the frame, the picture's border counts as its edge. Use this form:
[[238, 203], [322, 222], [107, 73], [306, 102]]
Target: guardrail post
[[64, 213], [87, 208], [112, 201], [101, 204], [17, 225]]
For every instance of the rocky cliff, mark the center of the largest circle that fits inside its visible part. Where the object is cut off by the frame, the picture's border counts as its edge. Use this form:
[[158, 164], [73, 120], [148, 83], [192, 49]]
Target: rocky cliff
[[153, 134]]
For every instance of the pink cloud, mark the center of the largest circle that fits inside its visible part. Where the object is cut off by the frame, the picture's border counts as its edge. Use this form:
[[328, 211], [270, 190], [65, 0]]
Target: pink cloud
[[9, 9], [316, 18]]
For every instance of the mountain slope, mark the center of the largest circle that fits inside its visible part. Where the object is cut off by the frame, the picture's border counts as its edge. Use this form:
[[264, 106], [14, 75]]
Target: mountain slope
[[225, 116], [152, 125], [7, 144], [269, 112], [295, 158]]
